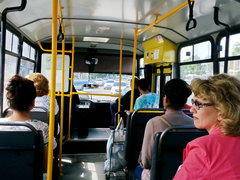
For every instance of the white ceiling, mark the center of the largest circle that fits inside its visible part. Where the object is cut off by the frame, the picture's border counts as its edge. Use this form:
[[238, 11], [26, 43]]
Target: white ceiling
[[117, 19]]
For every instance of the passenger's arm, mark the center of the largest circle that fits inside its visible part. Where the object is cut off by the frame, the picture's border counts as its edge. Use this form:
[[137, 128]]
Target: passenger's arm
[[195, 165], [145, 156]]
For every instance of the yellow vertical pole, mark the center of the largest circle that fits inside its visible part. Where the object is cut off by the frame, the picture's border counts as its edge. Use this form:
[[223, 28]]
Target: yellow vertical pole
[[52, 89], [120, 79], [62, 105], [71, 89], [134, 66]]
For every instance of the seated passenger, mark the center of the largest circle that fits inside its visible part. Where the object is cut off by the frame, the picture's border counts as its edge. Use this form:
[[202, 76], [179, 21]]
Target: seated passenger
[[147, 99], [43, 99], [125, 100], [216, 108], [42, 88], [176, 94], [21, 94]]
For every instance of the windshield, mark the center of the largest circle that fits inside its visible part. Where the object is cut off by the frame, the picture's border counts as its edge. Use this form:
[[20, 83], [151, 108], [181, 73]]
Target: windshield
[[99, 83]]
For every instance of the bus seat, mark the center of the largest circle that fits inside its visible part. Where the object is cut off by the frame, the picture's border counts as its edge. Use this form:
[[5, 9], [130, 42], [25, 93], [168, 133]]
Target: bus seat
[[135, 132], [40, 113], [168, 149], [21, 153], [187, 112]]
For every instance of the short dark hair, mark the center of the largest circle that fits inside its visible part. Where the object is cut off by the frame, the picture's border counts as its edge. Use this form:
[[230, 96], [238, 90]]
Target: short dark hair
[[21, 93], [177, 92], [143, 84]]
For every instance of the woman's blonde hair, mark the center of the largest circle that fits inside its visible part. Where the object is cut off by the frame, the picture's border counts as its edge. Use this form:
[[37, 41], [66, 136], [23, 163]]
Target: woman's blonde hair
[[224, 91], [40, 82]]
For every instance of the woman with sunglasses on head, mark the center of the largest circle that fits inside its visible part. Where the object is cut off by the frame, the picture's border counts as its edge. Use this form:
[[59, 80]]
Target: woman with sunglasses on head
[[216, 108]]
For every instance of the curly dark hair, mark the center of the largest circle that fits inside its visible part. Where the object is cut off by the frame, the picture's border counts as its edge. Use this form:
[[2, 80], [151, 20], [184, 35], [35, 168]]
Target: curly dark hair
[[21, 93], [177, 91]]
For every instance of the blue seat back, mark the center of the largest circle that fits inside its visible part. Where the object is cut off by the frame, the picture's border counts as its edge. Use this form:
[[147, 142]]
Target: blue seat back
[[21, 153], [135, 132], [167, 152]]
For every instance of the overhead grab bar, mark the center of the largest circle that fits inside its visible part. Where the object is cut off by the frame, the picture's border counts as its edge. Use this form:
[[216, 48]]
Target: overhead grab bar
[[216, 19], [192, 22], [217, 22]]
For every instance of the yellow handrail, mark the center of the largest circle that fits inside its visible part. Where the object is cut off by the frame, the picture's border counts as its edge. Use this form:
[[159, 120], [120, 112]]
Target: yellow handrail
[[158, 20], [50, 50], [120, 79], [52, 90], [62, 105], [133, 67], [71, 89], [137, 33]]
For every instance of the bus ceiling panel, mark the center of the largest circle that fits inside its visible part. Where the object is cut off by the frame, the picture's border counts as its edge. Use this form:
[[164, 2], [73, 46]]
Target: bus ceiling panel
[[109, 46], [116, 19], [41, 30], [124, 10], [34, 9]]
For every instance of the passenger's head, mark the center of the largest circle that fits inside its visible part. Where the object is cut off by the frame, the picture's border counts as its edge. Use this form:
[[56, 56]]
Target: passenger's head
[[217, 103], [143, 85], [21, 93], [136, 82], [176, 93], [40, 82]]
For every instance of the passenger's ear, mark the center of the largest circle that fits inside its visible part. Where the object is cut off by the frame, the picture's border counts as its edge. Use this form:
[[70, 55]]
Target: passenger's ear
[[165, 101]]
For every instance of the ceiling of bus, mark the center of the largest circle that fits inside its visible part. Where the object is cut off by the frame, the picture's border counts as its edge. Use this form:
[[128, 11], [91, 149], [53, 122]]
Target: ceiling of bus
[[117, 19]]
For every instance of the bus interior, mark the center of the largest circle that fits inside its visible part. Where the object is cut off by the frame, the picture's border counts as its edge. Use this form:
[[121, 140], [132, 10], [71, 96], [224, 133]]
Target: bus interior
[[90, 50]]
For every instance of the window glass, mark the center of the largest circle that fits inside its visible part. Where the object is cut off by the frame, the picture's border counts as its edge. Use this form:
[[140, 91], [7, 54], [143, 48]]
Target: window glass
[[26, 50], [8, 40], [234, 46], [202, 51], [33, 52], [200, 70], [26, 67], [158, 85], [196, 52], [141, 63], [10, 70], [186, 54], [221, 67], [100, 83], [141, 73], [234, 68], [15, 44]]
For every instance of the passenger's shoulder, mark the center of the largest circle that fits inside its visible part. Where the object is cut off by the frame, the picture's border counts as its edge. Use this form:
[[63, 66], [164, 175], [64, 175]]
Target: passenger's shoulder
[[37, 124]]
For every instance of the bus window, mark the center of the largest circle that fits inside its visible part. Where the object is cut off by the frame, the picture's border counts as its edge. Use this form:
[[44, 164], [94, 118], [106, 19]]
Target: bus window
[[100, 83], [8, 40], [234, 50], [46, 70], [234, 46], [141, 68], [26, 50], [234, 68], [200, 70], [196, 52], [10, 70], [26, 67]]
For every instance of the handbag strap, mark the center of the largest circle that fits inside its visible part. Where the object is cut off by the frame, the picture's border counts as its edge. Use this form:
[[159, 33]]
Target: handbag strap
[[165, 121]]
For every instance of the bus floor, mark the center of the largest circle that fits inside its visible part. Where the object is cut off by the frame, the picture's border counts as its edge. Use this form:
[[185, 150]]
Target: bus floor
[[95, 142], [83, 157], [83, 166]]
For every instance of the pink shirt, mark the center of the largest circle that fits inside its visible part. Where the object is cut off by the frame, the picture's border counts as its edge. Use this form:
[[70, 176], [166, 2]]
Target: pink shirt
[[211, 157]]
